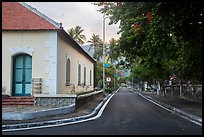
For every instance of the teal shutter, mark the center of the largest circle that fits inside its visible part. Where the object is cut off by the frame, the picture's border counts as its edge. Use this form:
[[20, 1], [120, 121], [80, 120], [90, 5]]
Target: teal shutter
[[22, 75]]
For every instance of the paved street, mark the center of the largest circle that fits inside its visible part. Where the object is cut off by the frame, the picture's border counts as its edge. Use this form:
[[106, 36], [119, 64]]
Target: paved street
[[127, 113]]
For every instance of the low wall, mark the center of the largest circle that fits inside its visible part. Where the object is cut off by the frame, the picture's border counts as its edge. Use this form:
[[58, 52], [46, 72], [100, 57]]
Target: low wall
[[81, 100], [60, 100], [64, 100]]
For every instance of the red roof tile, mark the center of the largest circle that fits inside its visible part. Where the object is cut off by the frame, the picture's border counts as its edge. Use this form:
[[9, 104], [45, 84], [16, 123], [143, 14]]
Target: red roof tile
[[17, 17]]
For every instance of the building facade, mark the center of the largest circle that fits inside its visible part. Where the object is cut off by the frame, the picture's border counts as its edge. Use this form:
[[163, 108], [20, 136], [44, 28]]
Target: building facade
[[39, 57]]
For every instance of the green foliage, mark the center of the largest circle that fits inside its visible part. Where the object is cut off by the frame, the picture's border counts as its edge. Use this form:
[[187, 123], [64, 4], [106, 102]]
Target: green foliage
[[97, 45], [159, 39], [100, 83], [98, 72], [76, 34]]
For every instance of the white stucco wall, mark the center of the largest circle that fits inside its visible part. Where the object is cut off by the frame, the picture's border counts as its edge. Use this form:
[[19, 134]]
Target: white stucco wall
[[49, 54], [42, 46], [66, 51]]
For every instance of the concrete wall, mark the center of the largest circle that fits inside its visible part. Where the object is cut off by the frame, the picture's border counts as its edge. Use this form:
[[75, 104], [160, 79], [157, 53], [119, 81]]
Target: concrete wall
[[82, 100], [60, 100], [63, 100]]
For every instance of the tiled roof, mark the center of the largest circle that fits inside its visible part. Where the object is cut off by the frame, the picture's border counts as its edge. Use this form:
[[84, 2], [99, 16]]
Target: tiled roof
[[20, 16]]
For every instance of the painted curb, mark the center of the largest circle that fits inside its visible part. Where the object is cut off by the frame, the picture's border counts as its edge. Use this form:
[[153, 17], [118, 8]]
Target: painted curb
[[196, 119], [23, 126]]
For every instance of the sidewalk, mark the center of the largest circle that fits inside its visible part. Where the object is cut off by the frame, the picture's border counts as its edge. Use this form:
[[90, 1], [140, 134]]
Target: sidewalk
[[187, 108], [80, 111]]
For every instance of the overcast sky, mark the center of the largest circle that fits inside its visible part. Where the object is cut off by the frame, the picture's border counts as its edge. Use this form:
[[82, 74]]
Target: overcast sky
[[72, 14]]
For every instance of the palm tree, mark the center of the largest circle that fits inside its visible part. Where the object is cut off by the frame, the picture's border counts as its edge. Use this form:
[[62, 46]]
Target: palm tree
[[71, 32], [113, 50], [97, 44], [76, 34]]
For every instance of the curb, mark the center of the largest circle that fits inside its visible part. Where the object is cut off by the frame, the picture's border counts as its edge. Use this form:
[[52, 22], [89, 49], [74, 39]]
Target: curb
[[91, 116], [184, 114], [38, 114], [23, 126]]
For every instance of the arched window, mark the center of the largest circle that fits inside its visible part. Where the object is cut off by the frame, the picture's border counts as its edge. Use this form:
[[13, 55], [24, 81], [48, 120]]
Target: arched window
[[79, 74], [84, 76], [68, 72], [90, 77]]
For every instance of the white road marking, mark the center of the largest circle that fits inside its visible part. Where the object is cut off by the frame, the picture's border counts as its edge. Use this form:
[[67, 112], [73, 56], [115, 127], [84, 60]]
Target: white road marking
[[200, 124], [74, 122]]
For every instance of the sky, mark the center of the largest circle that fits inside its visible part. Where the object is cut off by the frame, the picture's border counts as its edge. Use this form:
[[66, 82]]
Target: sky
[[84, 14]]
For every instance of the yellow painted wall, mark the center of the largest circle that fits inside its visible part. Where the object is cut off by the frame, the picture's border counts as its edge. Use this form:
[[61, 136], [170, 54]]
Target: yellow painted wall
[[65, 51]]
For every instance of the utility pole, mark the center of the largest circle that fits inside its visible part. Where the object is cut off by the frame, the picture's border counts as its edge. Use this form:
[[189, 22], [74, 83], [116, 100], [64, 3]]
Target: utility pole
[[104, 53]]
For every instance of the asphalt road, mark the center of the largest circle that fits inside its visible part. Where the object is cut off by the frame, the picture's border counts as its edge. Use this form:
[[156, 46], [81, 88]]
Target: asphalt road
[[127, 113]]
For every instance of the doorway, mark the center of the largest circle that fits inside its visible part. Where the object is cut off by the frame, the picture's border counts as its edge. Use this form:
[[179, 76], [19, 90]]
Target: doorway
[[22, 75]]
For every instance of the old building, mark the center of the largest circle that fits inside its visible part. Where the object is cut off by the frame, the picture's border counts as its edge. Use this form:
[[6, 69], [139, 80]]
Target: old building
[[39, 57]]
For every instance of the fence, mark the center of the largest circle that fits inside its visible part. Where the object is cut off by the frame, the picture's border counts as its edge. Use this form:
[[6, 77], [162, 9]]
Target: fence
[[190, 92], [186, 91]]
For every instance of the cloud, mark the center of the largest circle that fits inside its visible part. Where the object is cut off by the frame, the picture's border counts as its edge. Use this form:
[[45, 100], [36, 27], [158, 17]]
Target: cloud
[[72, 14]]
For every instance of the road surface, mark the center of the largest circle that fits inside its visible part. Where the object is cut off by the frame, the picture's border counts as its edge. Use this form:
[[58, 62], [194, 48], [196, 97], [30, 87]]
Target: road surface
[[127, 113]]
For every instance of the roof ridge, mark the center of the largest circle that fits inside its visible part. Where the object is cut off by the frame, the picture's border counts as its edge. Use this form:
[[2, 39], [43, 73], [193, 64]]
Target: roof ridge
[[34, 10]]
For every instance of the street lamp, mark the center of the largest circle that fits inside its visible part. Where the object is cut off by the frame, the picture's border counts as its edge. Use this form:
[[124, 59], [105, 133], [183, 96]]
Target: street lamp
[[104, 53]]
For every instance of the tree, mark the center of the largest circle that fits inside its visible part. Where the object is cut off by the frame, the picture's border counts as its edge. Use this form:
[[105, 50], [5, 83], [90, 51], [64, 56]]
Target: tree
[[162, 37], [113, 50], [98, 74], [97, 44], [76, 34]]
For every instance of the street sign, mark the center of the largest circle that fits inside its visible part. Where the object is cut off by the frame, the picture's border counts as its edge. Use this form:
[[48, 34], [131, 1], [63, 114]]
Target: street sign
[[107, 65], [116, 75], [108, 79]]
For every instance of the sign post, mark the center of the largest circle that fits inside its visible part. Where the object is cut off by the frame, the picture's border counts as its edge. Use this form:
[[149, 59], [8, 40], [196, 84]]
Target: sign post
[[108, 79]]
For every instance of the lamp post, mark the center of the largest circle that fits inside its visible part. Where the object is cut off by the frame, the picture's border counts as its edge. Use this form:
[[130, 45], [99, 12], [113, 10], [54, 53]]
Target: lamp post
[[104, 53]]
